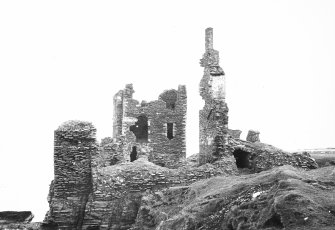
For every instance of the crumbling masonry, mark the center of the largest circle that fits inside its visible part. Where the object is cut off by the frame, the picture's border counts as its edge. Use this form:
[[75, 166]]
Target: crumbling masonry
[[213, 118], [153, 129], [102, 186]]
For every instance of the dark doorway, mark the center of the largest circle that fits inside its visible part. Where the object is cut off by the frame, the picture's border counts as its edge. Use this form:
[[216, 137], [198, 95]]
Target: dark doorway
[[140, 129], [169, 130], [242, 158], [133, 154]]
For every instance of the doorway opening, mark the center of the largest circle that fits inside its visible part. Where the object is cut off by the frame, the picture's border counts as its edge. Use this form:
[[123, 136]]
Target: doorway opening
[[133, 154], [242, 158], [140, 129]]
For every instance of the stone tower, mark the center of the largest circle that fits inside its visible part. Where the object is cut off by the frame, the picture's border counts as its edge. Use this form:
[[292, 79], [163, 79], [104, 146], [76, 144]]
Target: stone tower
[[213, 118], [75, 143], [154, 129]]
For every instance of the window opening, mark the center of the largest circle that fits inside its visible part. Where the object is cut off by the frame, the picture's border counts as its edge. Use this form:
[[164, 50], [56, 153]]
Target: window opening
[[169, 130]]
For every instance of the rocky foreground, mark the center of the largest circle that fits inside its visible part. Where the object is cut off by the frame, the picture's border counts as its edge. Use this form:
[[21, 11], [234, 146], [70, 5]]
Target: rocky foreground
[[281, 198]]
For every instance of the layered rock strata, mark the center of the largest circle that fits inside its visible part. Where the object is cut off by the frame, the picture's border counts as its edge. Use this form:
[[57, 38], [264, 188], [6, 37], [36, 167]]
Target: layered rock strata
[[8, 217]]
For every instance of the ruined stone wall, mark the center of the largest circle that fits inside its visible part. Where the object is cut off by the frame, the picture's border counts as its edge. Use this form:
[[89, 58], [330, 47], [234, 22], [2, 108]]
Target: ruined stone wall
[[118, 189], [74, 145], [168, 110], [113, 194], [234, 133], [262, 156], [107, 154], [253, 136], [213, 118], [117, 114]]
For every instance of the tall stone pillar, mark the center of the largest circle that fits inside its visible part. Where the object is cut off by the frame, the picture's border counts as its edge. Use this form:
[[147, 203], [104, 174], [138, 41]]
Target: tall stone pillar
[[75, 143], [213, 117]]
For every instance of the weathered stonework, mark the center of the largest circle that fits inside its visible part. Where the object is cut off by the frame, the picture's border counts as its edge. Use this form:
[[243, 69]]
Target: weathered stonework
[[258, 157], [213, 118], [153, 129], [10, 217], [234, 133], [253, 136], [75, 144], [105, 187]]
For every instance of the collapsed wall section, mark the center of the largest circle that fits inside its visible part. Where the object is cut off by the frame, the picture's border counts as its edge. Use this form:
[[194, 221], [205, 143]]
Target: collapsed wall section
[[258, 156]]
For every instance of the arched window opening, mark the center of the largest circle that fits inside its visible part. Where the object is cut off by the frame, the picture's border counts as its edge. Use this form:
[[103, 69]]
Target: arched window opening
[[242, 159], [169, 130], [140, 129], [133, 154]]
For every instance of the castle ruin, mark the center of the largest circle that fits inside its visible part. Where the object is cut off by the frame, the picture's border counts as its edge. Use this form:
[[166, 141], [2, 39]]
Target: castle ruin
[[154, 129], [213, 118], [100, 186]]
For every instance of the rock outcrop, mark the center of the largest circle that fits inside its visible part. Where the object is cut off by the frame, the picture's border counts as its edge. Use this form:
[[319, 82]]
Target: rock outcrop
[[96, 189], [16, 217], [141, 178], [15, 220], [281, 198]]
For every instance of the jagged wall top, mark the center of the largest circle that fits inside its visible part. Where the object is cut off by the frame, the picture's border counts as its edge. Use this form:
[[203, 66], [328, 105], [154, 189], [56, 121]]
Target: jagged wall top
[[75, 129], [211, 58]]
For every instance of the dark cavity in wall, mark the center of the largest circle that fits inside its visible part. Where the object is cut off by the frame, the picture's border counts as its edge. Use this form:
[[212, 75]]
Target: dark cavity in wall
[[242, 158], [274, 221], [140, 129], [133, 154], [161, 164], [170, 98], [169, 130]]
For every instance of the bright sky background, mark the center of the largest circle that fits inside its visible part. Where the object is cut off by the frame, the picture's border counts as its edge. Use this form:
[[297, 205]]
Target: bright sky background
[[63, 60]]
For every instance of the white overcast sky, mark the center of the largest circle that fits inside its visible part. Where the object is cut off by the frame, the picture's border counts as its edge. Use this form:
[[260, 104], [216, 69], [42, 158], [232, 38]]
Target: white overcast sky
[[64, 60]]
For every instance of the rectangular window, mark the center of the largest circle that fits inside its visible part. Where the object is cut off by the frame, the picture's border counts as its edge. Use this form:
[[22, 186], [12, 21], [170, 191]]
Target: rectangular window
[[169, 130]]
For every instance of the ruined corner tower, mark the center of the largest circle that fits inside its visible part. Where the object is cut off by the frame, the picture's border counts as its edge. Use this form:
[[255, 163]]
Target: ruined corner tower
[[213, 117], [154, 129], [74, 146]]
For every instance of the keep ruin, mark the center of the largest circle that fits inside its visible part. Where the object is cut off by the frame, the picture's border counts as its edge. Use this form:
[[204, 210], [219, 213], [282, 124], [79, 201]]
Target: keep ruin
[[100, 185]]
